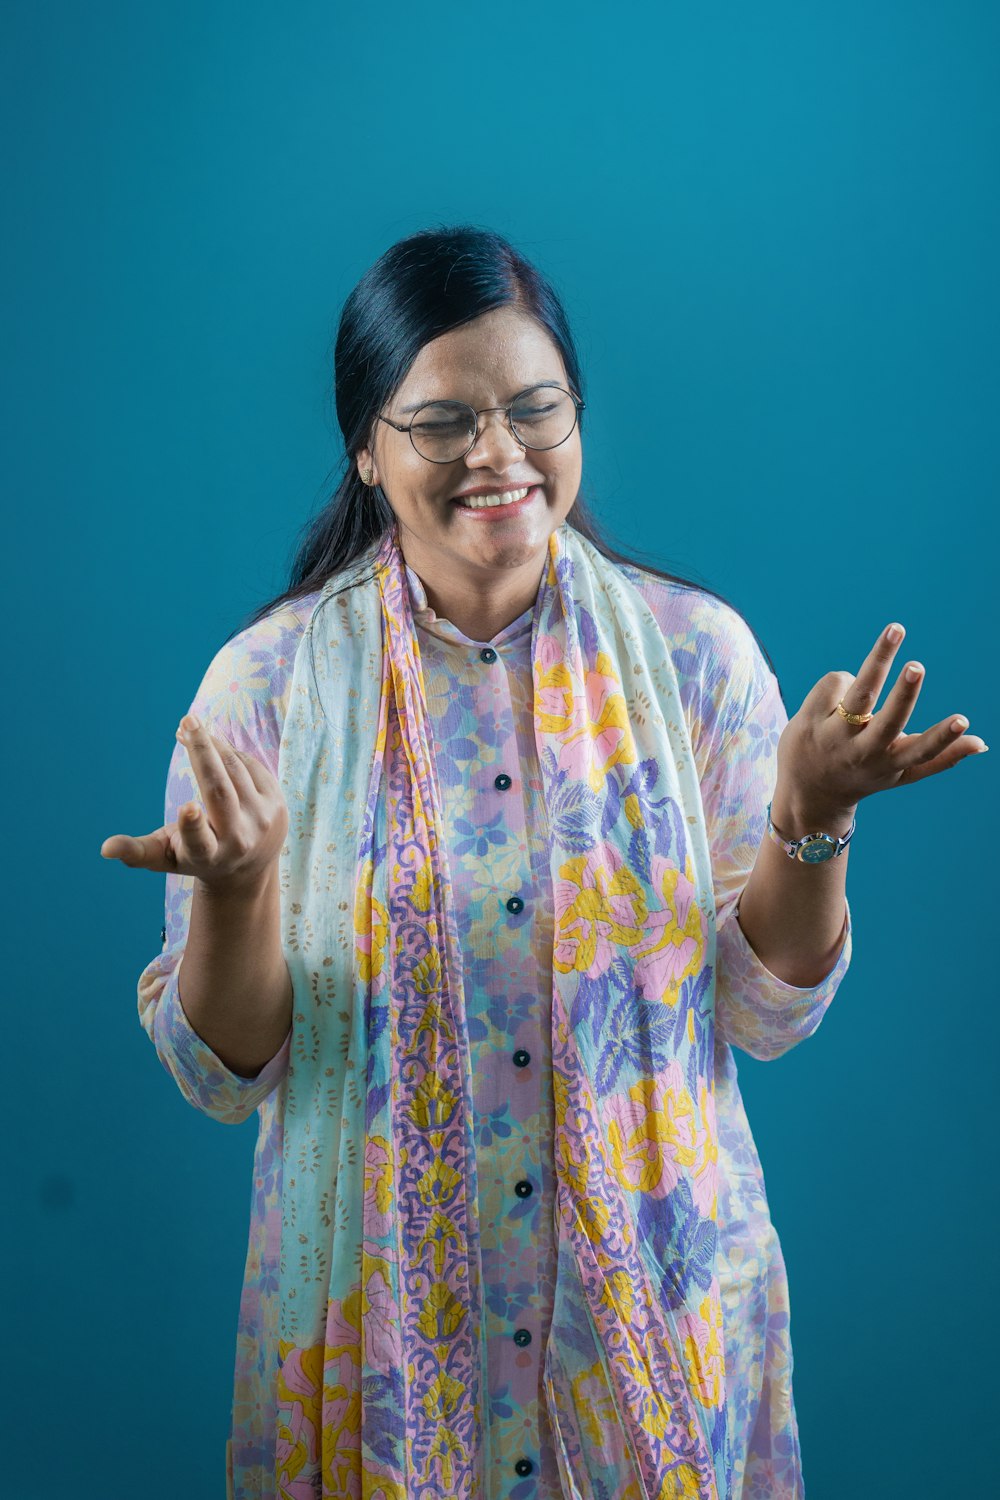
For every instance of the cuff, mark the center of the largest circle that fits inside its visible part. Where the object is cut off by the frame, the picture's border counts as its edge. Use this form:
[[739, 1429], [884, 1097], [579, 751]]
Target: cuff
[[757, 1011], [204, 1081]]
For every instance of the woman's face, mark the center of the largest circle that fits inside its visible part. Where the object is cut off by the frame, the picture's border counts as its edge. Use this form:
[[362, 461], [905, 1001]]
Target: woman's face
[[485, 363]]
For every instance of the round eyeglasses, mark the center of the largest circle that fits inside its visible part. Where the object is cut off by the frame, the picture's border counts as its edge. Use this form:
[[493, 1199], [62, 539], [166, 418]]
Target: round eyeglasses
[[541, 417]]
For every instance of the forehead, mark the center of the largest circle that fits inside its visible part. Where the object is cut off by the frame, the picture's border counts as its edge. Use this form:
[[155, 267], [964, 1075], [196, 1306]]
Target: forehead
[[487, 360]]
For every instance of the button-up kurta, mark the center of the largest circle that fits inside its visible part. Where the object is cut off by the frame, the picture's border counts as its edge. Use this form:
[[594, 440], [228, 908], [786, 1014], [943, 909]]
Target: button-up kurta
[[479, 702]]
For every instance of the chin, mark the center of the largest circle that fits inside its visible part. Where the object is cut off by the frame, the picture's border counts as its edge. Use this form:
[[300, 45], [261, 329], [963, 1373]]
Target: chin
[[511, 552]]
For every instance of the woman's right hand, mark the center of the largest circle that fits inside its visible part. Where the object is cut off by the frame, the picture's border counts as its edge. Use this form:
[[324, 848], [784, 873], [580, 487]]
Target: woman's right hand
[[230, 845]]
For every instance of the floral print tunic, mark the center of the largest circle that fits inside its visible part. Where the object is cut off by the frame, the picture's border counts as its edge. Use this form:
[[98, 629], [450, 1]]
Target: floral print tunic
[[479, 702]]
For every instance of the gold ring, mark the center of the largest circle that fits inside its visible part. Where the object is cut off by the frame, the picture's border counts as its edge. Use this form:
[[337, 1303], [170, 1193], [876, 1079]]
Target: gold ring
[[852, 718]]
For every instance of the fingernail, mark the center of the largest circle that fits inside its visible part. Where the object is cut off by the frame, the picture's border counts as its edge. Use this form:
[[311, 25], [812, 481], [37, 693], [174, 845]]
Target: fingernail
[[894, 634], [959, 723], [913, 671]]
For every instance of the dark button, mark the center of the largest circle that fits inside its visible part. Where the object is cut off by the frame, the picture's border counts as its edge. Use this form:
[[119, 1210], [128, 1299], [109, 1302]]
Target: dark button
[[503, 782], [515, 904], [523, 1468], [522, 1338], [488, 655], [521, 1058], [523, 1189]]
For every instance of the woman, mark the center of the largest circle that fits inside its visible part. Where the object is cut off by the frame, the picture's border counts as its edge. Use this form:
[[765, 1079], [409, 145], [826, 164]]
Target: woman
[[492, 871]]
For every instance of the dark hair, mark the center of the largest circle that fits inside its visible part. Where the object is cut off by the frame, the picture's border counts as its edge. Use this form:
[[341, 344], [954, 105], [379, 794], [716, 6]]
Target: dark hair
[[422, 287]]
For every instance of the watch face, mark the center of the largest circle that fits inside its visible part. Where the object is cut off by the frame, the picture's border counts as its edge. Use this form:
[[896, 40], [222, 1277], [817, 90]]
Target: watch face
[[817, 850]]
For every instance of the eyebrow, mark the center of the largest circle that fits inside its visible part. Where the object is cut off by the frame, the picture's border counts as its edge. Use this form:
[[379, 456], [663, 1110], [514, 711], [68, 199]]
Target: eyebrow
[[405, 411]]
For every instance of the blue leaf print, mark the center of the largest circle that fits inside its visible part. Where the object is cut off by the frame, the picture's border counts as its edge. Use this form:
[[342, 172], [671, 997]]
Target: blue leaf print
[[378, 1019], [638, 855], [611, 805], [574, 811], [680, 1242], [638, 1033], [375, 1102], [663, 833], [593, 999], [582, 1001], [588, 632], [698, 994], [644, 778], [376, 1387]]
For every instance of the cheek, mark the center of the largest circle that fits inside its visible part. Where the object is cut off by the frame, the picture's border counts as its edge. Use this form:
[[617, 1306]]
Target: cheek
[[403, 479], [565, 473]]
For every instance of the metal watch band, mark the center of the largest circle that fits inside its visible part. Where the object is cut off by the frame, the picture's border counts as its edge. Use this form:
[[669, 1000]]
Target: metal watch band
[[813, 848]]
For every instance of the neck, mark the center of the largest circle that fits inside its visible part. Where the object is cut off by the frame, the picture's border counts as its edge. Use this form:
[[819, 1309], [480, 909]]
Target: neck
[[480, 607], [481, 613]]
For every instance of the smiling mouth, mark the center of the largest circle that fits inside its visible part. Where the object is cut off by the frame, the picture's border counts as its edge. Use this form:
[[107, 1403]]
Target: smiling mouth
[[503, 497]]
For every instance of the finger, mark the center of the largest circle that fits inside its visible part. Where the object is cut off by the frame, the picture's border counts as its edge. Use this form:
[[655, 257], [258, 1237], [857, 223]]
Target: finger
[[238, 765], [894, 715], [149, 851], [258, 773], [912, 750], [212, 773], [195, 834], [862, 696], [967, 746]]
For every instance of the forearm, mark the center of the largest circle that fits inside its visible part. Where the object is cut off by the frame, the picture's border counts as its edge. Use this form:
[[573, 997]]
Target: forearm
[[233, 980], [793, 914]]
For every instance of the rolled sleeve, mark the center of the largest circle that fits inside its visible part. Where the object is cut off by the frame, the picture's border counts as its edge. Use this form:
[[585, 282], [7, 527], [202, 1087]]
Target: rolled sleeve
[[202, 1078], [760, 1013]]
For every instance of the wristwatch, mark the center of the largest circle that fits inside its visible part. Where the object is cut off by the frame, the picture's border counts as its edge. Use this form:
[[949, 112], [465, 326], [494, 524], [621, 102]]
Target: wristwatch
[[815, 848]]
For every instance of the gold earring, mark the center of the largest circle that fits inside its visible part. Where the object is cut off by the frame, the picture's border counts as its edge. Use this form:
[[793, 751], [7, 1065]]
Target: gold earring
[[367, 475]]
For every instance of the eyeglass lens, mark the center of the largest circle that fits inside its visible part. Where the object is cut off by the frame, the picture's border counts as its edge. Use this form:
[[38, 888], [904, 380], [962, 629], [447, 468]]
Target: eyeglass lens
[[445, 430]]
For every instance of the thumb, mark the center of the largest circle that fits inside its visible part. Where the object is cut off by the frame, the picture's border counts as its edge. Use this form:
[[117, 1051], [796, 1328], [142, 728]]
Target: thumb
[[143, 852]]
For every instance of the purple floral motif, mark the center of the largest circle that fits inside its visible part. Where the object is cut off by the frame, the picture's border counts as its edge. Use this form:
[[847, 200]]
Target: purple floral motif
[[495, 1126], [477, 838], [678, 1242]]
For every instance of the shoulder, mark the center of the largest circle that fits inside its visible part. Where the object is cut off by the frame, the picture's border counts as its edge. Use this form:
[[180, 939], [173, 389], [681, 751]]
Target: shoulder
[[722, 672], [243, 695]]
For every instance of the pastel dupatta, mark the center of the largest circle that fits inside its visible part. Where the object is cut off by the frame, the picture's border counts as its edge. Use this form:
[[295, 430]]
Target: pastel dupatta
[[381, 1380]]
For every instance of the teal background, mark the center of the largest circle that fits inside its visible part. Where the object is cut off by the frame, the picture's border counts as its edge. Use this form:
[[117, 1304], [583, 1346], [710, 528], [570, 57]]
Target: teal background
[[776, 229]]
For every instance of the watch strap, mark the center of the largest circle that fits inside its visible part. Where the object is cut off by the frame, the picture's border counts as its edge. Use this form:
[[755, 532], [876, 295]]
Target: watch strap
[[812, 848]]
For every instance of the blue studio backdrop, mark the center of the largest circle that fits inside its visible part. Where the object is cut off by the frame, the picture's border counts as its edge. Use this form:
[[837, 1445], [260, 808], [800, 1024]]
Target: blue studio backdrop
[[776, 229]]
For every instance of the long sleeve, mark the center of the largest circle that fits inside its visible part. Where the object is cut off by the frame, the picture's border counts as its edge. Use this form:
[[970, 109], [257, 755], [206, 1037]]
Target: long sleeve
[[755, 1010], [242, 698]]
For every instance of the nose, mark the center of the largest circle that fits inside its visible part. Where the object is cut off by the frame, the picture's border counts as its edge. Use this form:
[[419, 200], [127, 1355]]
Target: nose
[[495, 447]]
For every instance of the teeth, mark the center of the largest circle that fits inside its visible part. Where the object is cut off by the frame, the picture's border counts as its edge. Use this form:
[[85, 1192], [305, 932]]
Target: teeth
[[477, 502]]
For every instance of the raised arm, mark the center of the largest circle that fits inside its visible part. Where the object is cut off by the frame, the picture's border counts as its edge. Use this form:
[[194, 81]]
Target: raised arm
[[216, 1002]]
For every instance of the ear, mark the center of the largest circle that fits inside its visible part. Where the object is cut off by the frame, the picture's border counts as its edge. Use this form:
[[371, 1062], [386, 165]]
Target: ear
[[365, 460]]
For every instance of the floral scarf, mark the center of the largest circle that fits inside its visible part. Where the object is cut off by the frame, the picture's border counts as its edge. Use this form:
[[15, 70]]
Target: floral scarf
[[381, 1383]]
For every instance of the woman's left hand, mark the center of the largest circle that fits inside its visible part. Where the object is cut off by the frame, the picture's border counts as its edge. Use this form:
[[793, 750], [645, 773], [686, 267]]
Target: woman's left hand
[[826, 765]]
